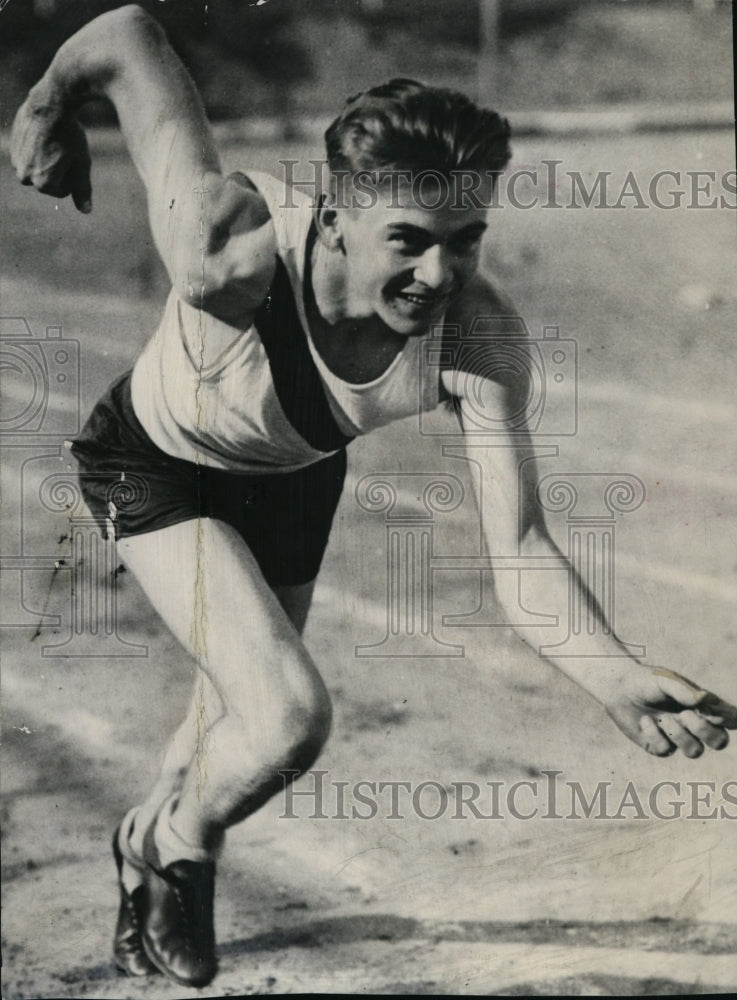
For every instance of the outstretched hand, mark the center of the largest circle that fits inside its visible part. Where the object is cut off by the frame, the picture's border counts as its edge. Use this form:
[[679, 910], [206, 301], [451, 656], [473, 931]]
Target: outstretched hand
[[48, 149], [663, 712]]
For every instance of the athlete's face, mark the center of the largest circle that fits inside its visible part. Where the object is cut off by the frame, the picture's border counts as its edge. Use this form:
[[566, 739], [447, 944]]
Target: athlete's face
[[406, 259]]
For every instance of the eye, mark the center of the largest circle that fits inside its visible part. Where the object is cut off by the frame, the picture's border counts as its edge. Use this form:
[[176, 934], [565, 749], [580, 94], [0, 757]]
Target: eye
[[465, 244], [409, 244]]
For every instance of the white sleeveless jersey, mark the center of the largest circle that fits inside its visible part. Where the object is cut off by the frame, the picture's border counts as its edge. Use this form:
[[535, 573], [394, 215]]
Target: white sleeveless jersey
[[243, 412]]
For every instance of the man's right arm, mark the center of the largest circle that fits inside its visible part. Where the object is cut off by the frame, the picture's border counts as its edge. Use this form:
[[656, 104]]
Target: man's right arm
[[214, 234]]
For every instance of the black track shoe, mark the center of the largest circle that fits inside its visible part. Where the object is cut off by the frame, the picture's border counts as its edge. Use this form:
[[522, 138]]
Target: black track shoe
[[178, 933], [128, 951]]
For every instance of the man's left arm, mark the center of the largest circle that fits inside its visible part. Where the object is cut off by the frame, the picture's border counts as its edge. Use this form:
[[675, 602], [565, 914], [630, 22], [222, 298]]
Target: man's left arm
[[658, 709]]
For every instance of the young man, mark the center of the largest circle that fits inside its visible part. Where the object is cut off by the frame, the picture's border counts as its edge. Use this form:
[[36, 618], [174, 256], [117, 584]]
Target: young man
[[218, 462]]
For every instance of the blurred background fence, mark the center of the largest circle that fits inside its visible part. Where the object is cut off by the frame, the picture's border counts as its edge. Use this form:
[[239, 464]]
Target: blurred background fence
[[292, 59]]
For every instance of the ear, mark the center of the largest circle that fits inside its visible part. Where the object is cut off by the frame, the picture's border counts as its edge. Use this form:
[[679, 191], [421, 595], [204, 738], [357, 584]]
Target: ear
[[327, 220]]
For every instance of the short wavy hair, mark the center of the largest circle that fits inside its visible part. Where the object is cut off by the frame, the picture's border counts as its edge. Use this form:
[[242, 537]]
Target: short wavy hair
[[406, 125]]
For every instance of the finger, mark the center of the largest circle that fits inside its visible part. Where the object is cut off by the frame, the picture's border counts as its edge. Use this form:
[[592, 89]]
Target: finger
[[238, 208], [81, 188], [713, 736], [53, 185], [16, 140], [716, 708], [679, 736], [228, 205], [686, 693], [678, 687], [653, 740]]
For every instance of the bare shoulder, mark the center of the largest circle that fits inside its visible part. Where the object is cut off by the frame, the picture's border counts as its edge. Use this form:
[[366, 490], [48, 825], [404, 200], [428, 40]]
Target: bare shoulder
[[485, 344]]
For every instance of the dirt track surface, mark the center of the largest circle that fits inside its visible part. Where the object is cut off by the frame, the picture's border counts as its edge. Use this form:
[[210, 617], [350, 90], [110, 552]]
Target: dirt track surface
[[460, 905]]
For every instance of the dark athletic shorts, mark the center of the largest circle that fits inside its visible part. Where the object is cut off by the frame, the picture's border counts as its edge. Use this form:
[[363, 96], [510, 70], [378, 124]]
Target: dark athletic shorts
[[284, 518]]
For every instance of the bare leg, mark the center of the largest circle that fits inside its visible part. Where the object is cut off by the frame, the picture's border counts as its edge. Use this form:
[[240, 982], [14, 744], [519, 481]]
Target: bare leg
[[261, 705], [204, 710], [296, 602]]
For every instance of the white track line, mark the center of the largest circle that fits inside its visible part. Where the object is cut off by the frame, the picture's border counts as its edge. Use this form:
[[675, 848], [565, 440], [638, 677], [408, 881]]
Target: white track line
[[662, 476], [92, 734], [490, 967], [681, 408], [105, 305], [715, 588], [607, 121], [463, 967], [105, 313]]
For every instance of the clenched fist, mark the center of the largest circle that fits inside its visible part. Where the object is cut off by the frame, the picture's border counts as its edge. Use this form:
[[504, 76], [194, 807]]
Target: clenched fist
[[48, 149]]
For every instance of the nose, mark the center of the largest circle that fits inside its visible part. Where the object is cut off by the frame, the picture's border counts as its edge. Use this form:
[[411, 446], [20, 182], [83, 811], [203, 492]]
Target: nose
[[434, 269]]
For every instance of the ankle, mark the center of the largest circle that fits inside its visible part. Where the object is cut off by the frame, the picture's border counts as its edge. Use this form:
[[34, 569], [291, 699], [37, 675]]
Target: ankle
[[130, 839], [174, 843], [130, 863]]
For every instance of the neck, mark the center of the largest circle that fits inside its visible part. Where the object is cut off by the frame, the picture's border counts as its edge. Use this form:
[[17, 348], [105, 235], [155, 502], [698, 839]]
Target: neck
[[356, 346], [329, 284]]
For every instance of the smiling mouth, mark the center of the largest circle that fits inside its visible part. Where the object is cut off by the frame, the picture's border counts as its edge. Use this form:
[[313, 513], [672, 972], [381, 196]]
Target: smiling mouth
[[422, 300]]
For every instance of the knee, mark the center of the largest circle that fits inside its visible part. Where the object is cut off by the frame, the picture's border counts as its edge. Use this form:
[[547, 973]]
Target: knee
[[291, 732], [279, 754], [304, 718], [306, 726]]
